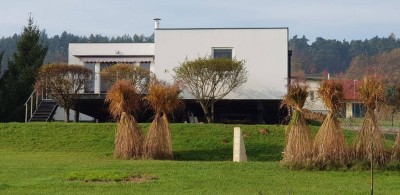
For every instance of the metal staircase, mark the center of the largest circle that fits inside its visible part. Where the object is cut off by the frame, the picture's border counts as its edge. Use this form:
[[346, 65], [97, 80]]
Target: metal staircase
[[38, 108], [44, 111]]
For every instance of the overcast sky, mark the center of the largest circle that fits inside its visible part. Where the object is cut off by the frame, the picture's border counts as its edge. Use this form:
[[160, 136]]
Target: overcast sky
[[333, 19]]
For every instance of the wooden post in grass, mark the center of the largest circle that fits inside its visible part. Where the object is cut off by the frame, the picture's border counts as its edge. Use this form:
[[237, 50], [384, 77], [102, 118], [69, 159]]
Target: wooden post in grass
[[239, 150], [372, 168]]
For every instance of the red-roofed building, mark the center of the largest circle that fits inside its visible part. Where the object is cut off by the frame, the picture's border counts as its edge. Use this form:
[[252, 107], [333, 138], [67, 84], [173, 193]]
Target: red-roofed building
[[350, 89], [354, 108]]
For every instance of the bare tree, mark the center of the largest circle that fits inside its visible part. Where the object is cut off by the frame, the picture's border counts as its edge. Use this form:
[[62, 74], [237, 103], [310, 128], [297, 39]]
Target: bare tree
[[139, 76], [210, 80], [62, 82]]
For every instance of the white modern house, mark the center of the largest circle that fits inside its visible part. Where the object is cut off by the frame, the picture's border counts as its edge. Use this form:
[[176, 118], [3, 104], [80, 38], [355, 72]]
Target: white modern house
[[265, 51]]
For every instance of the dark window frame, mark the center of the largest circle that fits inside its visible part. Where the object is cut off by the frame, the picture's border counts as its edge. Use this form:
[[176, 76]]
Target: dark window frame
[[222, 52]]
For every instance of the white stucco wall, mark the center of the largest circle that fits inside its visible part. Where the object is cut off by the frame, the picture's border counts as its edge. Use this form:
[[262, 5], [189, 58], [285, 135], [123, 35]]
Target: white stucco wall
[[349, 109], [264, 50], [316, 104]]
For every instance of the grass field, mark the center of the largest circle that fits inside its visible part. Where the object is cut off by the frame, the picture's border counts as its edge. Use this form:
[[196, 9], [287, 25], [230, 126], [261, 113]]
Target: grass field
[[58, 158], [386, 124]]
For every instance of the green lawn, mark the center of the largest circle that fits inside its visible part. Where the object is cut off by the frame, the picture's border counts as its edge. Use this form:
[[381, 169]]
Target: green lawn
[[386, 124], [57, 158]]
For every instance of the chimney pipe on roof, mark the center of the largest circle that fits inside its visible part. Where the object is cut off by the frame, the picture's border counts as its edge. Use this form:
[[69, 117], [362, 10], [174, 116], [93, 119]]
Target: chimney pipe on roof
[[156, 23]]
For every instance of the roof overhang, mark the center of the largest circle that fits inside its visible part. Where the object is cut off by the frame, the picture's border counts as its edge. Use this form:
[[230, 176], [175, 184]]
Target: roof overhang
[[116, 59]]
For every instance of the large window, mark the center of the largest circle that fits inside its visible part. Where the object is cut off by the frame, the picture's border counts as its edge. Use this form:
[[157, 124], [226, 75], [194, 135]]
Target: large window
[[145, 65], [222, 53], [359, 110], [312, 95]]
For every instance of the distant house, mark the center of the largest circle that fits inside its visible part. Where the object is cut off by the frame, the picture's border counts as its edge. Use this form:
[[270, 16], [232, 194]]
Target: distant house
[[352, 106], [265, 51], [313, 102]]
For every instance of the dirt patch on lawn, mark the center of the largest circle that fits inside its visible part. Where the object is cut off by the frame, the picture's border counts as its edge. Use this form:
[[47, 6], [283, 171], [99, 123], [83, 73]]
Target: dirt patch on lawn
[[138, 178], [142, 179]]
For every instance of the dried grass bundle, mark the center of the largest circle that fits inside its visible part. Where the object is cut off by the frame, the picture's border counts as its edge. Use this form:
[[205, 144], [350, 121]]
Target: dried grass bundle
[[372, 91], [122, 97], [123, 100], [296, 96], [157, 144], [331, 93], [330, 144], [370, 138], [396, 148], [163, 99], [297, 151], [128, 138]]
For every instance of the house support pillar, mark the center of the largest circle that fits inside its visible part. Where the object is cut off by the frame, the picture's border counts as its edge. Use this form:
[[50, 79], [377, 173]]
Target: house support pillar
[[97, 84], [260, 112], [77, 110]]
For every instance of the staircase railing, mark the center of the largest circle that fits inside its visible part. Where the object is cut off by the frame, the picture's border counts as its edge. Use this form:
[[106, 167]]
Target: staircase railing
[[52, 112], [32, 103]]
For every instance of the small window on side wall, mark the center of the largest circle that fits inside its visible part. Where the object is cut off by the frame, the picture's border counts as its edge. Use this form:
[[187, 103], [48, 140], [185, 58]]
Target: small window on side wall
[[312, 95], [222, 53]]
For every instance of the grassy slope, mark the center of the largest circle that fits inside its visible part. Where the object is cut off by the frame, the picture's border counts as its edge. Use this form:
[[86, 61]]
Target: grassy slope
[[37, 158], [190, 142]]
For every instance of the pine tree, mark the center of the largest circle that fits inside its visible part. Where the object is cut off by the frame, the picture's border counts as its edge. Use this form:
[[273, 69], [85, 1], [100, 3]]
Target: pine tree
[[18, 80], [1, 65]]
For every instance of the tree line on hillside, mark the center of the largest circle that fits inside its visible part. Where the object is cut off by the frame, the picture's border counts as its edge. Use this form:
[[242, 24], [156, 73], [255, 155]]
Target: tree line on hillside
[[333, 56], [322, 55], [385, 64], [58, 44]]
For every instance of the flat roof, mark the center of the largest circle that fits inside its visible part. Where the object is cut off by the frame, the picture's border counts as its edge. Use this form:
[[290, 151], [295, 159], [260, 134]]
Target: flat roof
[[110, 43], [249, 28], [111, 49]]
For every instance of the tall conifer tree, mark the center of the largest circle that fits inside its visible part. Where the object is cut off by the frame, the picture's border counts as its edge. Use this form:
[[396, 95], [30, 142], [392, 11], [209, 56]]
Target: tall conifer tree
[[23, 68], [1, 65]]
